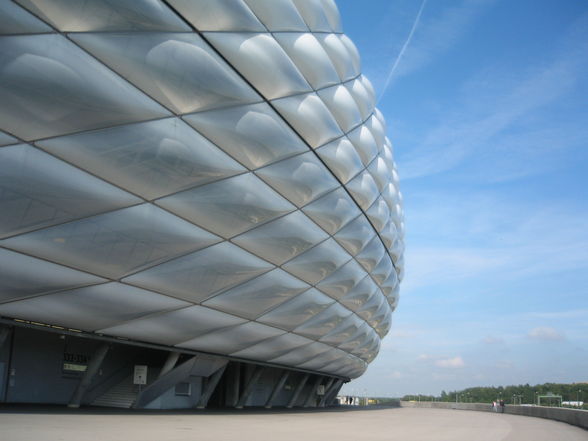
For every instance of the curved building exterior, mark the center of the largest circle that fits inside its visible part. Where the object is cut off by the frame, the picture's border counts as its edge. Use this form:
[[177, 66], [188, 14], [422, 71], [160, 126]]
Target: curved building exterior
[[206, 185]]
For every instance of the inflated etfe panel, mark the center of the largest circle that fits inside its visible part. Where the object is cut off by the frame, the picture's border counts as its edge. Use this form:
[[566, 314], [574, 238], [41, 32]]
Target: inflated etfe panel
[[209, 175]]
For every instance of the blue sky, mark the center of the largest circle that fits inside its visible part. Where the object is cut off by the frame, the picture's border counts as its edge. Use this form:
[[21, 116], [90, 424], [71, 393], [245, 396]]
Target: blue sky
[[487, 111]]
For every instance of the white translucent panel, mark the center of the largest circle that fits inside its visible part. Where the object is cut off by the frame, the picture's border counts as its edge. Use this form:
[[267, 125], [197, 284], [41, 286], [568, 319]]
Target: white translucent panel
[[361, 293], [170, 328], [261, 60], [92, 307], [37, 190], [301, 354], [383, 270], [106, 15], [273, 347], [378, 214], [355, 235], [371, 354], [310, 118], [367, 84], [150, 159], [310, 58], [339, 56], [396, 212], [342, 159], [324, 322], [6, 139], [15, 20], [49, 87], [317, 363], [341, 282], [384, 325], [179, 70], [282, 239], [352, 50], [380, 315], [229, 207], [380, 172], [359, 337], [361, 96], [369, 343], [314, 15], [364, 143], [228, 340], [343, 331], [390, 194], [278, 15], [389, 234], [371, 255], [377, 128], [116, 243], [23, 276], [388, 155], [300, 179], [218, 15], [197, 276], [394, 295], [364, 190], [368, 311], [335, 365], [380, 117], [298, 310], [342, 105], [397, 249], [332, 211], [390, 284], [332, 13], [318, 262], [400, 268], [253, 134], [254, 298]]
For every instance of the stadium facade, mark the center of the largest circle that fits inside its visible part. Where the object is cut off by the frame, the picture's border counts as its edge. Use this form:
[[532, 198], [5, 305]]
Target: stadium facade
[[199, 205]]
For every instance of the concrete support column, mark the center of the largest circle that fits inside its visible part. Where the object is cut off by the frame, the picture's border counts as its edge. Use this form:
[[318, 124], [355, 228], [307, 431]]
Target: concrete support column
[[321, 402], [232, 384], [4, 333], [249, 387], [209, 387], [278, 387], [312, 393], [170, 363], [91, 371], [330, 390], [297, 391]]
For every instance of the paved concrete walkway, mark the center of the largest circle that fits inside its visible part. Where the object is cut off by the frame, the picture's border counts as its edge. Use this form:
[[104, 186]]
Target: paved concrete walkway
[[369, 425]]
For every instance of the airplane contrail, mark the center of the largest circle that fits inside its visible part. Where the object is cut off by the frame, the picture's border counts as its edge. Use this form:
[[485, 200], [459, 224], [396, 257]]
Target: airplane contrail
[[404, 46]]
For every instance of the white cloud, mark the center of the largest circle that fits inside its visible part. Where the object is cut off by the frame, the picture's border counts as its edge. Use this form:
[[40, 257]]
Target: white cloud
[[451, 363], [424, 357], [545, 333]]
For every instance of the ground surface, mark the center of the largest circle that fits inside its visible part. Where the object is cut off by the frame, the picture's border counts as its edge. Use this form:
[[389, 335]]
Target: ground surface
[[24, 424]]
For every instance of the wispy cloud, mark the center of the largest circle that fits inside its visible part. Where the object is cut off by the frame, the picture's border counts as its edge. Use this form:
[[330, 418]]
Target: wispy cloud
[[450, 363], [489, 105], [545, 333]]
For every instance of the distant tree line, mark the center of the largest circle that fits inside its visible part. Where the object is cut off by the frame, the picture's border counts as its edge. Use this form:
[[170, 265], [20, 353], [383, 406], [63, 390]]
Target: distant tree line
[[521, 394]]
